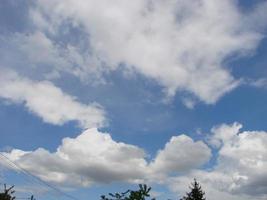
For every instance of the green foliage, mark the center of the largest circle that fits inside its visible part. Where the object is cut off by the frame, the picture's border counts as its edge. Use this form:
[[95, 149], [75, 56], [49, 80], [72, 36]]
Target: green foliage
[[196, 192], [7, 194], [140, 194]]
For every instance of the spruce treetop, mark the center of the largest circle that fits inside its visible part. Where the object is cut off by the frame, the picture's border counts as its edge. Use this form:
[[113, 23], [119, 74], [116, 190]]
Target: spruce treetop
[[196, 192]]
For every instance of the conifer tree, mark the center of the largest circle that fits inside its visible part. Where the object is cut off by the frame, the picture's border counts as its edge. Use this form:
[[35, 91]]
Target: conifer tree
[[196, 192]]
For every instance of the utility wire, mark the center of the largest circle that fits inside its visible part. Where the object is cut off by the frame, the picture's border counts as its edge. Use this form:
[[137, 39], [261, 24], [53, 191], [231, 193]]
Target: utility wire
[[27, 173], [32, 177], [16, 168]]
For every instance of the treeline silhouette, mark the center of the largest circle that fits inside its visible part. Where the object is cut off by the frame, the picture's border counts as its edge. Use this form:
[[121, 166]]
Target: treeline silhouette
[[143, 193]]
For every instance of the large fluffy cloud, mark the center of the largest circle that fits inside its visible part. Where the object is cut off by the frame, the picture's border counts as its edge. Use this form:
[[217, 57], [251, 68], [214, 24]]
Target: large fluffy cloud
[[180, 44], [180, 154], [94, 157], [48, 101], [244, 156], [91, 157], [240, 171]]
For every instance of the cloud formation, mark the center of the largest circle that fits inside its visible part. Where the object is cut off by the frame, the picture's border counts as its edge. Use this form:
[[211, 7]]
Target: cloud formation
[[240, 171], [180, 154], [181, 45], [184, 46], [49, 102], [94, 157], [244, 156], [40, 57]]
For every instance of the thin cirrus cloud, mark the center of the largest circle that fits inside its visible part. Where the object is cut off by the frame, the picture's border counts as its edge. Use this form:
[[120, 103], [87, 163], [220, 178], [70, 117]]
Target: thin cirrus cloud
[[180, 44], [49, 102]]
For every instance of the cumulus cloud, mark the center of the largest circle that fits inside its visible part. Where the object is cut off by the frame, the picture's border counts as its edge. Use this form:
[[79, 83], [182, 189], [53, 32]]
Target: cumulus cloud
[[94, 157], [180, 154], [240, 171], [91, 157], [245, 157], [223, 133], [49, 102], [180, 44]]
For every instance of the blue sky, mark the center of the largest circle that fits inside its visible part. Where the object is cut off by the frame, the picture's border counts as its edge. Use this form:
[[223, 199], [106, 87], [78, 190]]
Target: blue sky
[[97, 96]]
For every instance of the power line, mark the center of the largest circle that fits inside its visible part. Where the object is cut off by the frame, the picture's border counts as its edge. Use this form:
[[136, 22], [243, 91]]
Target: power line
[[17, 169], [27, 173], [35, 178]]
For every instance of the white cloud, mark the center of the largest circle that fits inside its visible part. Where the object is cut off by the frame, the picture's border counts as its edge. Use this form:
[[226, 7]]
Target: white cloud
[[48, 101], [41, 57], [180, 44], [258, 83], [189, 103], [180, 154], [223, 133], [94, 157], [245, 157], [241, 168]]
